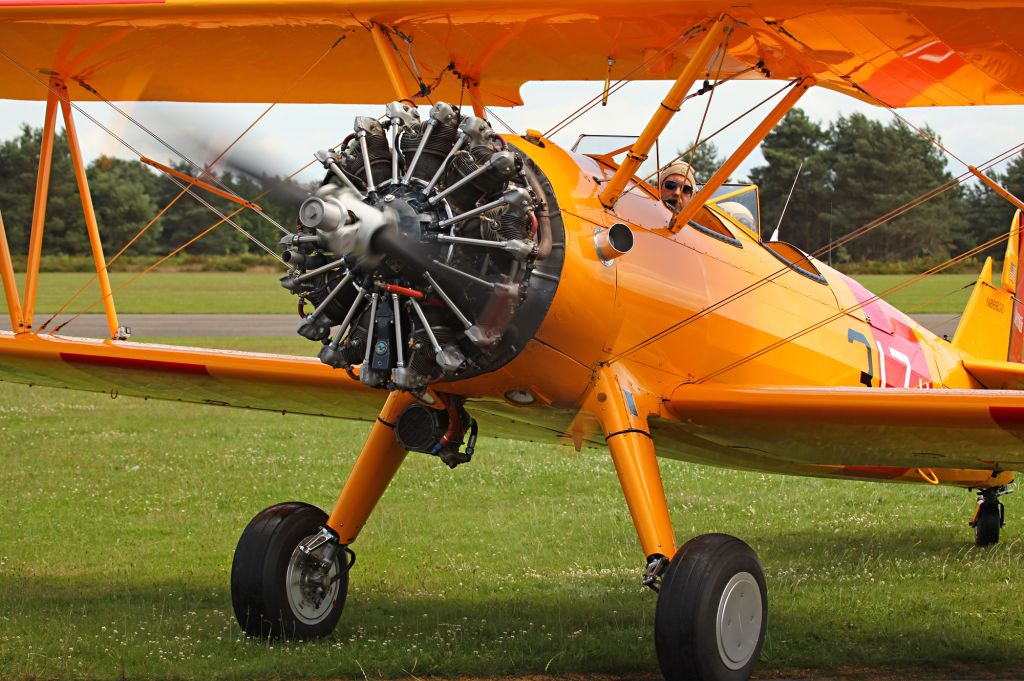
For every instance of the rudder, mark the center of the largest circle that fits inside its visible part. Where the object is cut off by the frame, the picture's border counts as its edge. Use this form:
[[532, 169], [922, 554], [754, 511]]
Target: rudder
[[991, 325]]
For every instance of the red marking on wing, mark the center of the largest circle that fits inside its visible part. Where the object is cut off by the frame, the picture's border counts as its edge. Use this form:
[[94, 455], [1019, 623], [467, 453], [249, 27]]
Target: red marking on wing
[[907, 76], [1010, 419], [52, 3], [875, 472], [130, 363]]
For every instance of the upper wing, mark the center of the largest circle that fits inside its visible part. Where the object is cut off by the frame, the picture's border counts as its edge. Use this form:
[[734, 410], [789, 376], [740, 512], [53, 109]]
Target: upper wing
[[917, 53], [860, 427]]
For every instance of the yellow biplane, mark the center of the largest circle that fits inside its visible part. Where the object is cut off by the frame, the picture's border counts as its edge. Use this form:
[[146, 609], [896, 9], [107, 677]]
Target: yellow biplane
[[504, 285]]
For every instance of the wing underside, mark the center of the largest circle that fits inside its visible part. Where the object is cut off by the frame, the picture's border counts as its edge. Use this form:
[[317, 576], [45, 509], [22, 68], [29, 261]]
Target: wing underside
[[903, 54]]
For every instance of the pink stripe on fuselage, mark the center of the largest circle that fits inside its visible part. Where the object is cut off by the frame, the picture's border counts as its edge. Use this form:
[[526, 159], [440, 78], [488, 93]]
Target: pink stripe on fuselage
[[898, 343]]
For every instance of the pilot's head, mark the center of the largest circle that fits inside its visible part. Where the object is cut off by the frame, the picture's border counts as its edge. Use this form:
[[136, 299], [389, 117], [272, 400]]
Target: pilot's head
[[677, 183]]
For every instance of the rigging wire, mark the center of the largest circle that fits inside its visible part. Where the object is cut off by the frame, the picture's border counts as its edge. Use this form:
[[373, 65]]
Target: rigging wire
[[112, 260], [135, 151], [723, 50], [413, 70], [859, 88], [135, 238], [205, 170], [920, 307], [722, 129], [843, 312], [153, 266], [130, 147], [857, 233], [592, 103]]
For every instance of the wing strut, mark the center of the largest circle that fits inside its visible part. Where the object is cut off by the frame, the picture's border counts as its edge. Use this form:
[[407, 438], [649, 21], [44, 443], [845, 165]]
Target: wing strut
[[87, 209], [58, 94], [10, 286], [666, 110], [744, 150], [35, 242]]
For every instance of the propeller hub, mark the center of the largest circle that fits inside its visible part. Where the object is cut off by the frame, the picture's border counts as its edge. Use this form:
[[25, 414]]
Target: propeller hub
[[422, 251]]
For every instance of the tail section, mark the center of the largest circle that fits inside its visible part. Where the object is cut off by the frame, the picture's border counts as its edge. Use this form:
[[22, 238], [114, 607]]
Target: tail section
[[984, 329], [1013, 283], [991, 331]]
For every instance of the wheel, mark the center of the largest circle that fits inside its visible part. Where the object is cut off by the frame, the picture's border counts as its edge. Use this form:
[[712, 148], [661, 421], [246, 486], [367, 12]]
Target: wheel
[[988, 522], [712, 611], [277, 590]]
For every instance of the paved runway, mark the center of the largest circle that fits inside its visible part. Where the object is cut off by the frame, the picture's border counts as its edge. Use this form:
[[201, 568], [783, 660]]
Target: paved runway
[[254, 325]]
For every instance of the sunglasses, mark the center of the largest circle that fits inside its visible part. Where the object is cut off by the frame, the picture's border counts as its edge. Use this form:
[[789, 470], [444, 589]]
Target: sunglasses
[[672, 185]]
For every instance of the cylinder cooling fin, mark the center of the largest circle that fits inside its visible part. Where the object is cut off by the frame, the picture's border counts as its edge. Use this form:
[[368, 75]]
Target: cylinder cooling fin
[[428, 253]]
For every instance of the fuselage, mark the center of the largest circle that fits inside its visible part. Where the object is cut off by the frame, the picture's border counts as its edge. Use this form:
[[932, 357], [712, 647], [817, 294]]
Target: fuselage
[[706, 305], [701, 306]]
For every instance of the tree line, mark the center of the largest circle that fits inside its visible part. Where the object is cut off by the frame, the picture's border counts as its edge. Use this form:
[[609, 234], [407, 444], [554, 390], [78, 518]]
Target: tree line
[[857, 170], [126, 196], [854, 170]]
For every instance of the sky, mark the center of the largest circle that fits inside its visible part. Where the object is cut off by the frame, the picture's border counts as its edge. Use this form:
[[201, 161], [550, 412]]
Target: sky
[[285, 139]]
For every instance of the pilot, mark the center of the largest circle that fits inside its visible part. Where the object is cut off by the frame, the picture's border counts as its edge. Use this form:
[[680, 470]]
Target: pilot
[[677, 183]]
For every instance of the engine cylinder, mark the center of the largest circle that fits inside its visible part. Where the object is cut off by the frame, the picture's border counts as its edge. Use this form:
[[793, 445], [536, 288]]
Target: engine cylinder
[[427, 297]]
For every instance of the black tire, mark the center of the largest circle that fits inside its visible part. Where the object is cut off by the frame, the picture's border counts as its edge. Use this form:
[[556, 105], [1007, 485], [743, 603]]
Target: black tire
[[988, 523], [692, 593], [264, 600]]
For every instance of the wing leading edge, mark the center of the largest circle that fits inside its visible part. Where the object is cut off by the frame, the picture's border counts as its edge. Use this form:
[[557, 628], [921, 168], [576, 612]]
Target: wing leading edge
[[218, 377], [847, 432]]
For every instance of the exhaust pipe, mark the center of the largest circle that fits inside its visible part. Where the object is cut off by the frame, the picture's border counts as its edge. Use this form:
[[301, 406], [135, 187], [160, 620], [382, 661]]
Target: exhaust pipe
[[613, 242]]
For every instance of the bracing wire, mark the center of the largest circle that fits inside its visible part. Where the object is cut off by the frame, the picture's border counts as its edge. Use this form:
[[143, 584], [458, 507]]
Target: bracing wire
[[723, 50], [153, 266], [161, 261], [722, 129], [856, 233], [133, 149], [843, 312], [193, 164], [592, 103]]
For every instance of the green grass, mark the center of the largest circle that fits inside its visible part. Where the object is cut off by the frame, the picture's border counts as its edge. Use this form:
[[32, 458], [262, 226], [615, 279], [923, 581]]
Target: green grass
[[122, 516], [939, 294], [169, 293], [260, 293]]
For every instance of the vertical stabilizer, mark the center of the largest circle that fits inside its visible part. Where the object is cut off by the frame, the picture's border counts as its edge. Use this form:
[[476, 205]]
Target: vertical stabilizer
[[992, 326], [1013, 283]]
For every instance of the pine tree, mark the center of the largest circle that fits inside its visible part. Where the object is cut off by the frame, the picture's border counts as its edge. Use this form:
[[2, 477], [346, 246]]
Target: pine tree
[[795, 140]]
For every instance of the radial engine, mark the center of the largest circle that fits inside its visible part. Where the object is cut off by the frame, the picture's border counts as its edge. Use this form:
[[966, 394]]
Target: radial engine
[[430, 252]]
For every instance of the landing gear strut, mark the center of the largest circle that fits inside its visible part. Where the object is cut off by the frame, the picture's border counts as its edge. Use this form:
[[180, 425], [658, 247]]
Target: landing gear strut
[[989, 517], [712, 601]]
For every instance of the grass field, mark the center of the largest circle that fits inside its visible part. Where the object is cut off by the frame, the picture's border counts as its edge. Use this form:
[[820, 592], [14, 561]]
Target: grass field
[[260, 293], [169, 293], [122, 517]]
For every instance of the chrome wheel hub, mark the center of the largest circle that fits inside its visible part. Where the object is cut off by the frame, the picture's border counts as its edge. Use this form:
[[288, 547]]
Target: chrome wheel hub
[[738, 622], [312, 590]]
